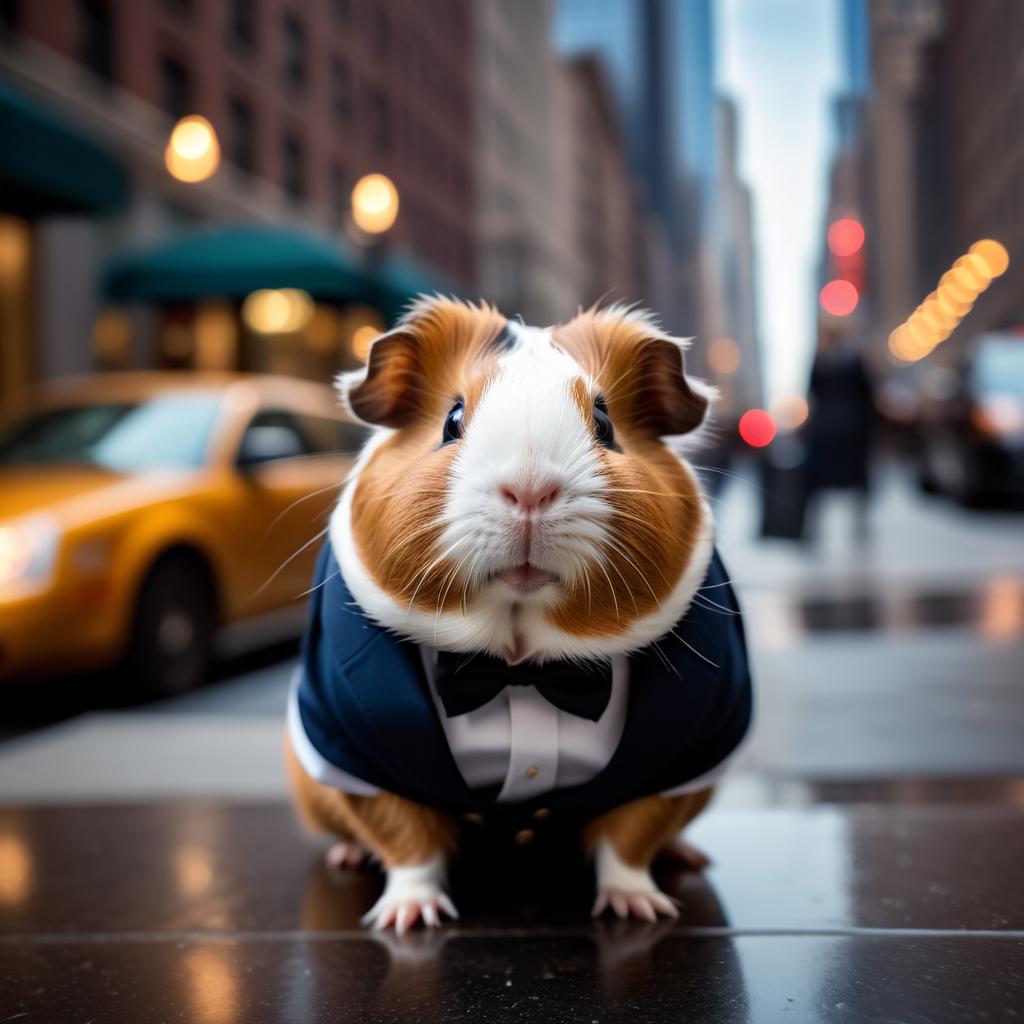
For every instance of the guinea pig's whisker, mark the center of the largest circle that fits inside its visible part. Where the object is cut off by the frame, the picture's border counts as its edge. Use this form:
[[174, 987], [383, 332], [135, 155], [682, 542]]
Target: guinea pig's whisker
[[643, 578], [714, 586], [611, 589], [713, 606], [291, 558], [298, 501], [638, 490], [692, 648], [423, 574], [322, 583]]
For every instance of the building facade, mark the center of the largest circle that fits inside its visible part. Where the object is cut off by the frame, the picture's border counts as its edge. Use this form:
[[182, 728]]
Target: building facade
[[525, 259], [305, 97], [986, 102]]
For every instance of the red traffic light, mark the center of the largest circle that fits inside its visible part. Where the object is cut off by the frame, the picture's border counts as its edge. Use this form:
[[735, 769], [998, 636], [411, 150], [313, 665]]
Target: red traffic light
[[845, 237], [839, 298], [757, 428]]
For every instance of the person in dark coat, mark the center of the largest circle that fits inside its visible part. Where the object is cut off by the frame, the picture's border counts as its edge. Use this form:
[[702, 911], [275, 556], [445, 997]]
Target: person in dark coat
[[839, 428]]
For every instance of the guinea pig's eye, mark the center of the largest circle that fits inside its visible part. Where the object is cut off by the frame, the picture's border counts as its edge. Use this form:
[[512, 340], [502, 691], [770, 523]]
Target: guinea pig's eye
[[453, 424], [603, 425]]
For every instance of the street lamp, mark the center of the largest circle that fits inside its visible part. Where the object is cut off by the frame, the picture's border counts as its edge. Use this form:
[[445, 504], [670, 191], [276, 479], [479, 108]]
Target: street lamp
[[193, 152], [374, 203]]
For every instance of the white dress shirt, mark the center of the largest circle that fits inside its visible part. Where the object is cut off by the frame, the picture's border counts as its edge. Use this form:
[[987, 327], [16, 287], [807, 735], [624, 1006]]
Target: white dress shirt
[[522, 742]]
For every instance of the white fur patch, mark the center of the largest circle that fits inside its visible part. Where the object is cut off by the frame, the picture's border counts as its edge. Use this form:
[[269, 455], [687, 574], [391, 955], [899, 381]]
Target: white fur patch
[[613, 873]]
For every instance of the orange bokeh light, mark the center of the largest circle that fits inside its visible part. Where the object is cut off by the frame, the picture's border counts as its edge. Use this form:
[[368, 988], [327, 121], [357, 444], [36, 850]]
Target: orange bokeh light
[[839, 298]]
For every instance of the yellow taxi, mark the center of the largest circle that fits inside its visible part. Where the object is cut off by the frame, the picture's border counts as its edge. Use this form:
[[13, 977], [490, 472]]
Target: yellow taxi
[[155, 520]]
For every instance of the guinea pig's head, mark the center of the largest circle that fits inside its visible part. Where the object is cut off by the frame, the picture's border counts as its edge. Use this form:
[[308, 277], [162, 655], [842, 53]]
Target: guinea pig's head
[[518, 496]]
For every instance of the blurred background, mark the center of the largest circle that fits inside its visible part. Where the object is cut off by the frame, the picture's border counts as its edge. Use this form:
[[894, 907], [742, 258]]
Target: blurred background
[[209, 207]]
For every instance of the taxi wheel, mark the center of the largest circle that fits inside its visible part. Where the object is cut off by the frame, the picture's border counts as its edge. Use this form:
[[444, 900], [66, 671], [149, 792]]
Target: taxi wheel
[[172, 642]]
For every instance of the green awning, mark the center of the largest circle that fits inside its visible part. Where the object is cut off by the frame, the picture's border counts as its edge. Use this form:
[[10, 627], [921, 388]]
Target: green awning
[[46, 166], [233, 262]]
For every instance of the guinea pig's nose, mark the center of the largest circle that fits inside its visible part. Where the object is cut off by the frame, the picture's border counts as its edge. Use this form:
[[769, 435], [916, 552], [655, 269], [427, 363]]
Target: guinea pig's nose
[[528, 497]]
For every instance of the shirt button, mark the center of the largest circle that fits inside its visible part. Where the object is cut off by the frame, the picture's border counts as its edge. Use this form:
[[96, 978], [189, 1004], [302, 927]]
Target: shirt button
[[542, 812], [477, 819], [525, 835], [531, 772]]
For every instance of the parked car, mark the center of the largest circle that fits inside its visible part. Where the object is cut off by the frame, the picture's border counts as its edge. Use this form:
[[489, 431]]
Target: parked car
[[147, 519], [972, 421]]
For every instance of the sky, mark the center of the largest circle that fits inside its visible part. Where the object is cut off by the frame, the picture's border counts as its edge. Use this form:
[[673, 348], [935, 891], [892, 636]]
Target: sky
[[780, 59]]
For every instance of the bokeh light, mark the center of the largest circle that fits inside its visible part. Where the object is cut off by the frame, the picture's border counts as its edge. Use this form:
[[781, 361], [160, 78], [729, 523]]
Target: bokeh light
[[789, 411], [845, 237], [723, 355], [374, 203], [839, 298], [193, 151], [277, 311], [994, 254], [757, 428], [360, 326]]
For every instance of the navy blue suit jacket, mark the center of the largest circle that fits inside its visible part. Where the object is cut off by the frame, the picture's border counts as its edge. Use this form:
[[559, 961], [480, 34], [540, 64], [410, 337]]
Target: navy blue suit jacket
[[365, 704]]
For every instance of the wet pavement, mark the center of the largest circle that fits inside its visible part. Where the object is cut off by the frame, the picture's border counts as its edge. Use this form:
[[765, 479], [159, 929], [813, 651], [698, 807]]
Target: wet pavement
[[209, 912], [867, 852]]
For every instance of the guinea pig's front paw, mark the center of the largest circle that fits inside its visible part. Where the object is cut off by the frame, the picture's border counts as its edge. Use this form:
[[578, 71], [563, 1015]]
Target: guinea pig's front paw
[[627, 890], [412, 894], [643, 903]]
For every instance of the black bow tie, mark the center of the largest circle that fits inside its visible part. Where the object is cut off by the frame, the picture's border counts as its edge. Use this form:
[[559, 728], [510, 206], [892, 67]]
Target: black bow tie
[[466, 682]]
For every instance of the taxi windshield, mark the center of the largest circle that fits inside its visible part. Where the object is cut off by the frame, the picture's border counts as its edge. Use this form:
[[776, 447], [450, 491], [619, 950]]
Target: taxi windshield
[[167, 432]]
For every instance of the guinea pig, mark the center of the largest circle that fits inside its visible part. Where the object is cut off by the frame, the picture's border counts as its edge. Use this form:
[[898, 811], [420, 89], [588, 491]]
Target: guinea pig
[[520, 618]]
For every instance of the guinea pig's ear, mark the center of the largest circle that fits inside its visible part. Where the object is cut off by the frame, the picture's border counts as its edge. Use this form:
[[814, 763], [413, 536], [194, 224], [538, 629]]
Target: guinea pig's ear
[[385, 392], [668, 402]]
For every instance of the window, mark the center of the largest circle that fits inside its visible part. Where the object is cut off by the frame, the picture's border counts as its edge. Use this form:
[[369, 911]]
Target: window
[[96, 38], [327, 436], [341, 92], [293, 172], [294, 49], [341, 195], [380, 121], [242, 23], [172, 430], [272, 435], [243, 144], [175, 87]]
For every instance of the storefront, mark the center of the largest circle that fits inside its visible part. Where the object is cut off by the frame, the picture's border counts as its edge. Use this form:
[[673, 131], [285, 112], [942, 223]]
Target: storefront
[[46, 169]]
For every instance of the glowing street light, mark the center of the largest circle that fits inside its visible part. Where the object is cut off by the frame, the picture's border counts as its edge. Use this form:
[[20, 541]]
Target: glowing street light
[[277, 311], [193, 152], [374, 203]]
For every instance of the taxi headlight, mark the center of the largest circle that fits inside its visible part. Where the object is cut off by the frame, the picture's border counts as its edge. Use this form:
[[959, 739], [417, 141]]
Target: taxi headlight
[[28, 550]]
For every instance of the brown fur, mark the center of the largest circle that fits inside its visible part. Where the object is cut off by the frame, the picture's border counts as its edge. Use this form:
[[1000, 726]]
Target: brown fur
[[639, 829], [400, 832]]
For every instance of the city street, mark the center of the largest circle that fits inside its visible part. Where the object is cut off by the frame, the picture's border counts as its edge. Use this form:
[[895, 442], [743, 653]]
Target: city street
[[901, 661], [866, 849]]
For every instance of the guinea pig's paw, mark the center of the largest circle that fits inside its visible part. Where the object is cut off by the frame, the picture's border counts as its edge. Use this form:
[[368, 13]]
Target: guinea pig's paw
[[645, 904], [626, 889], [345, 854], [412, 894]]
